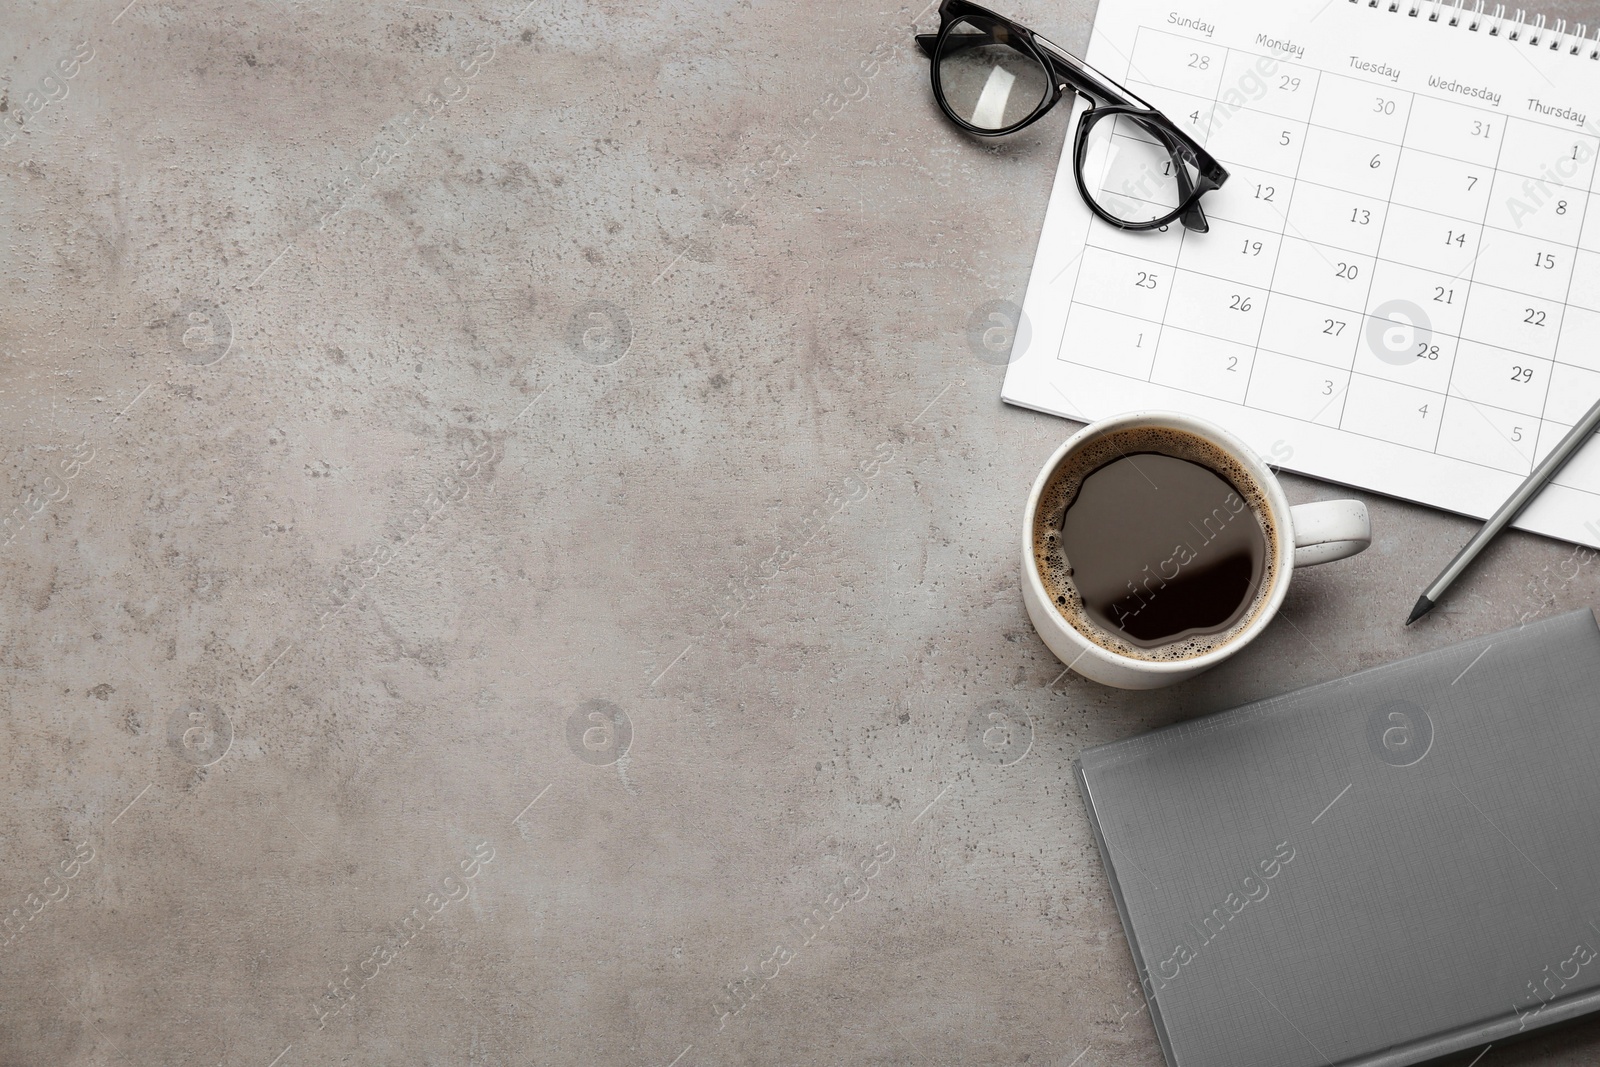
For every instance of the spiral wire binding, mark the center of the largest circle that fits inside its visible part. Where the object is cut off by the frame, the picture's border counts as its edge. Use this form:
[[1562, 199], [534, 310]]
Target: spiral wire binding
[[1556, 39]]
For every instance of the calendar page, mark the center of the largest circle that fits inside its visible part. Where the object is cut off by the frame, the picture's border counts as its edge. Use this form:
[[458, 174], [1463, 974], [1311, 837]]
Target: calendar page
[[1400, 287]]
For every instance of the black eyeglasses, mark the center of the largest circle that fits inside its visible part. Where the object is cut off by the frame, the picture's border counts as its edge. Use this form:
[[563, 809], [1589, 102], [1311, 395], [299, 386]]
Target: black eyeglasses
[[1135, 168]]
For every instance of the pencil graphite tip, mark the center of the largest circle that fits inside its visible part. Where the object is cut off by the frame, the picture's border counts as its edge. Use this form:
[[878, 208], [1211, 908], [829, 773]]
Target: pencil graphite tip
[[1424, 605]]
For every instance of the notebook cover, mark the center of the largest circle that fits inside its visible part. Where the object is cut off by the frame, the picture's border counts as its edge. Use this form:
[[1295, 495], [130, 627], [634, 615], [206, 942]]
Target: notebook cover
[[1374, 871]]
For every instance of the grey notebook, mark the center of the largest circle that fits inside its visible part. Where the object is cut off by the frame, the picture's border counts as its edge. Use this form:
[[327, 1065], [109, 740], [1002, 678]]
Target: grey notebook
[[1374, 871]]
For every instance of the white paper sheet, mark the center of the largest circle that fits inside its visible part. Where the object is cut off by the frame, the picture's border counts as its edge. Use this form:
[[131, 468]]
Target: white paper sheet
[[1400, 289]]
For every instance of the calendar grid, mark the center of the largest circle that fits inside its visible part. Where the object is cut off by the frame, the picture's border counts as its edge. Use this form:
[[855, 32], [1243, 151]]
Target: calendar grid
[[1136, 83], [1472, 270], [1367, 302], [1344, 309], [1183, 234], [1404, 262], [1337, 307], [1299, 184], [1290, 355], [1342, 393], [1557, 480], [1566, 301], [1277, 257], [1160, 323], [1410, 207], [1077, 278]]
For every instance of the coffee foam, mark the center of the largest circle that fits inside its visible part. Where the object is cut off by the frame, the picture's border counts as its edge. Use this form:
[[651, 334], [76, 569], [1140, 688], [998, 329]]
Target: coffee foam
[[1061, 489]]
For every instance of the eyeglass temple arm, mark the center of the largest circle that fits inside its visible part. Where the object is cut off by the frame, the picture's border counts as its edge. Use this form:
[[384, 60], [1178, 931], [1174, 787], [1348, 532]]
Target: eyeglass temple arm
[[1193, 218]]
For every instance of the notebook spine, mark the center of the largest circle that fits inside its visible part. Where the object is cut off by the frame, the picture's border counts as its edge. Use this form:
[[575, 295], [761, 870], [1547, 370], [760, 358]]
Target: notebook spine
[[1516, 28]]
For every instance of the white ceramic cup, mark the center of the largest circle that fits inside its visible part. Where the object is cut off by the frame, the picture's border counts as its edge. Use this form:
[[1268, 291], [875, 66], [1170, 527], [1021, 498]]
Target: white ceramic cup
[[1303, 535]]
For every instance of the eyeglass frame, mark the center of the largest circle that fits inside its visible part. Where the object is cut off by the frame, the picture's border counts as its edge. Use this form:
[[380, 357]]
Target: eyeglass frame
[[1067, 70]]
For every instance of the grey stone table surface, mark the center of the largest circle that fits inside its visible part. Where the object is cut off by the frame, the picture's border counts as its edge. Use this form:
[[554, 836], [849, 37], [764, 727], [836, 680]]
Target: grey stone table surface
[[516, 559]]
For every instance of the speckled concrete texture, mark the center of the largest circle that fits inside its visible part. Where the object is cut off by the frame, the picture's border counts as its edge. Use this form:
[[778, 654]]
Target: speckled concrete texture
[[515, 551]]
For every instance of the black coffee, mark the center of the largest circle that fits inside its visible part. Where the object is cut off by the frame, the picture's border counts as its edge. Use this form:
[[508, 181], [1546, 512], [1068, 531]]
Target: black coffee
[[1147, 547]]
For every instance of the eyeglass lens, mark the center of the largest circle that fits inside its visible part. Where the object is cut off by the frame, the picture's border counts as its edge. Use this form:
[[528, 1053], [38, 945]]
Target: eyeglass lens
[[1130, 172], [987, 82]]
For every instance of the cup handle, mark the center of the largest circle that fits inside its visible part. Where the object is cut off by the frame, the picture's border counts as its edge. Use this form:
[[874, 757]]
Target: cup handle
[[1328, 530]]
